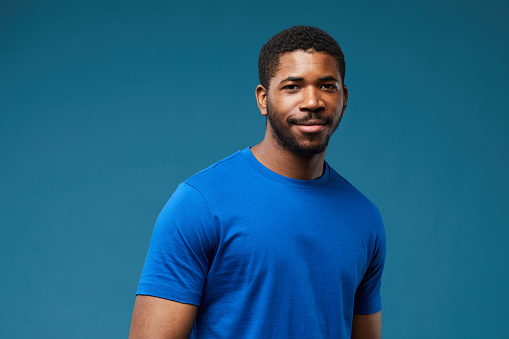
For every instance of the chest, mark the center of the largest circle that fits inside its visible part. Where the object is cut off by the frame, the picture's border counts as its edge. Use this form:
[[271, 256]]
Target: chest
[[289, 238]]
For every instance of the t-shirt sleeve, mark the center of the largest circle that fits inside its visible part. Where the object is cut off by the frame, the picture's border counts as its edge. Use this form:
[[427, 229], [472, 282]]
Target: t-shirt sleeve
[[367, 296], [181, 247]]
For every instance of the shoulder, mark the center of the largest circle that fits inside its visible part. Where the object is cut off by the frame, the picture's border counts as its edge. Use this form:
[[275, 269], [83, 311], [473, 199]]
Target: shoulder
[[354, 195], [223, 177], [220, 170], [191, 195], [348, 196]]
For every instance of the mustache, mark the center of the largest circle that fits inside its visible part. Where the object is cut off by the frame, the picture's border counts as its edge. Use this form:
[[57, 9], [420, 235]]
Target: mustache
[[310, 116]]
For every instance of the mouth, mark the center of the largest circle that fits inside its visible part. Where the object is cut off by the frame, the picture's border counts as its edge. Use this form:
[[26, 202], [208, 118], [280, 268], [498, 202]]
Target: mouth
[[311, 125], [310, 128]]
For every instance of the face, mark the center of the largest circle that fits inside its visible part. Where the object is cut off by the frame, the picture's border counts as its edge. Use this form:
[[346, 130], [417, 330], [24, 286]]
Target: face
[[305, 102]]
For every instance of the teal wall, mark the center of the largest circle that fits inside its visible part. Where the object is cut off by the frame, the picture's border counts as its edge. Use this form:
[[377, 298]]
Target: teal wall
[[105, 106]]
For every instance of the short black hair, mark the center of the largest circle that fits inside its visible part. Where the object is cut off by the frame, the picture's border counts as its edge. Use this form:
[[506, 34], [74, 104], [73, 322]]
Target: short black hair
[[292, 39]]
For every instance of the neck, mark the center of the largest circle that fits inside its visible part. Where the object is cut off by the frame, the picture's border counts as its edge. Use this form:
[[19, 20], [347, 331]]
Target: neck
[[288, 164]]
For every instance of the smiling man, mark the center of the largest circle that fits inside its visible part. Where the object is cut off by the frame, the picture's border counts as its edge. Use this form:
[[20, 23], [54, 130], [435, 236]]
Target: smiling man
[[271, 242]]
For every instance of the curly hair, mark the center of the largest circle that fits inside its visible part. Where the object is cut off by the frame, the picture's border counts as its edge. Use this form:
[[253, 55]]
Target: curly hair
[[292, 39]]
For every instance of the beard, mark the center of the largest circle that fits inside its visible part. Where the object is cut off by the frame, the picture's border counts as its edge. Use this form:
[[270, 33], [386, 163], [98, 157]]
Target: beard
[[281, 132]]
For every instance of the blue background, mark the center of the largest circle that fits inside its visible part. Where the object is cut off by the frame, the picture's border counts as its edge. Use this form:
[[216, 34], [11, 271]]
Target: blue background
[[107, 105]]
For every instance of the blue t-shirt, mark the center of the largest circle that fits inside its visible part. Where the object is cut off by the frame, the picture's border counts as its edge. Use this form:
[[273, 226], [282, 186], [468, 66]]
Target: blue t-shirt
[[266, 256]]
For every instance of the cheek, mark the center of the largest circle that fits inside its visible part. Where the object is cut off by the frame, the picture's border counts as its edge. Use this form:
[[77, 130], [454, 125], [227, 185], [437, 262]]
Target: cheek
[[284, 105], [337, 106]]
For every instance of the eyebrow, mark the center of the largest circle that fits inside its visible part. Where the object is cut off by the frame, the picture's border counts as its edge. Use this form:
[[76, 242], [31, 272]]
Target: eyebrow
[[329, 78], [291, 79], [326, 78]]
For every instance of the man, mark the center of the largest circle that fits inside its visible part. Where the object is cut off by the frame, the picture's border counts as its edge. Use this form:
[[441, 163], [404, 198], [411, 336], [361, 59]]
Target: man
[[271, 242]]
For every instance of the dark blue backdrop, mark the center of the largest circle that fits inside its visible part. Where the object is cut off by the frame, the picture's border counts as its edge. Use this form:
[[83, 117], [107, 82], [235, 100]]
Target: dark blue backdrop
[[105, 106]]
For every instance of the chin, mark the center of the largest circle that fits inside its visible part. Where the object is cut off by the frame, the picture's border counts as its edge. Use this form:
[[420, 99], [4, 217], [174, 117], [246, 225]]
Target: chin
[[306, 145], [306, 150]]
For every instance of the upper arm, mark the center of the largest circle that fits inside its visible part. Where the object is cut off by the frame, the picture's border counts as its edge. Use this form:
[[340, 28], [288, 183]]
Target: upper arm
[[158, 318], [367, 326], [367, 295], [175, 270], [183, 242]]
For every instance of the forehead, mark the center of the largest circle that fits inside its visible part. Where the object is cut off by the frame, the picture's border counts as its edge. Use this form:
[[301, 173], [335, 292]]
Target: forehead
[[299, 63]]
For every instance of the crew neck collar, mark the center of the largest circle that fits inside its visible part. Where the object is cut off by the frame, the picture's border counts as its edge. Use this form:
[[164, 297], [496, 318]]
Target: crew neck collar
[[318, 182]]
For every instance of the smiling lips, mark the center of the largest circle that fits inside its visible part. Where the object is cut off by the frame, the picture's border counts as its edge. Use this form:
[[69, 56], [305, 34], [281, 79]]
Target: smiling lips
[[311, 126]]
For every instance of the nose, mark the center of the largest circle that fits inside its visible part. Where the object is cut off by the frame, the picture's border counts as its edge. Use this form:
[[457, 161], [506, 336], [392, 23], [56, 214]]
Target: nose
[[311, 100]]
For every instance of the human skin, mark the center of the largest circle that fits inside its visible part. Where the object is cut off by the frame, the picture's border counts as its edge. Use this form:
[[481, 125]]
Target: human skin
[[367, 326], [305, 84], [157, 318]]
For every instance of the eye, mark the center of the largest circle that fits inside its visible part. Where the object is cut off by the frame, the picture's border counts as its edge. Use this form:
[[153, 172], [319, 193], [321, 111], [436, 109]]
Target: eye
[[291, 87], [331, 87]]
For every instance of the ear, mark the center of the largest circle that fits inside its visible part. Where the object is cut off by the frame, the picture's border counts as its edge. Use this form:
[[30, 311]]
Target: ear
[[261, 99], [345, 99]]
